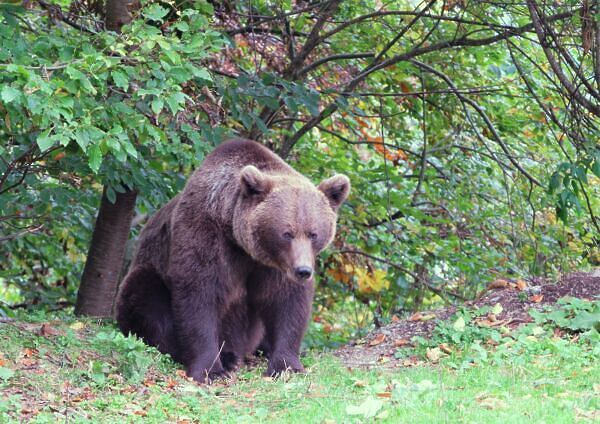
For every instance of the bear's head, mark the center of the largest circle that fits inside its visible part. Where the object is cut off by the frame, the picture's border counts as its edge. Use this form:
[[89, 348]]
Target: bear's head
[[284, 221]]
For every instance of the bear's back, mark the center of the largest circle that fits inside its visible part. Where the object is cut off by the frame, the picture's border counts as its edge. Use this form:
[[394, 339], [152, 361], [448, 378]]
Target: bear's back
[[238, 153]]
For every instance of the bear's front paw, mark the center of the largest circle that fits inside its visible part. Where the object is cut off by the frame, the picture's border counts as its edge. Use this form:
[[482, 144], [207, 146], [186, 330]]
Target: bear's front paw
[[277, 366], [231, 362], [208, 375]]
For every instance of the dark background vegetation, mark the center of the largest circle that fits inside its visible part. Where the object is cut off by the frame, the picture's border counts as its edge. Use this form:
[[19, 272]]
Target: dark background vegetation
[[469, 130]]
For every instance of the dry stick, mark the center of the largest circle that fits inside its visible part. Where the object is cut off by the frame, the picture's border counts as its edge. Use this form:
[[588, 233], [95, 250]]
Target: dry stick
[[334, 57], [537, 18], [312, 40], [214, 360], [424, 153], [267, 19], [296, 60], [383, 13], [576, 68], [22, 233], [56, 10], [403, 31]]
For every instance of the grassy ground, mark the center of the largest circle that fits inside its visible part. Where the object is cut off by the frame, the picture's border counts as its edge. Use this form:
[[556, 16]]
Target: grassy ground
[[59, 369]]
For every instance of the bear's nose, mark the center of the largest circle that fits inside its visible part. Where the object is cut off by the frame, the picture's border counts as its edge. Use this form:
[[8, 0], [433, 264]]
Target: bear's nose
[[303, 272]]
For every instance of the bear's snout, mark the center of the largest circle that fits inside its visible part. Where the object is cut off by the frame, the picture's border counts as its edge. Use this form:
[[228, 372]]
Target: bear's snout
[[303, 272]]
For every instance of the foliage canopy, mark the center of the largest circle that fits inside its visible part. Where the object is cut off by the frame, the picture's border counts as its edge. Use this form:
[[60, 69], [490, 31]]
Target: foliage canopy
[[471, 146]]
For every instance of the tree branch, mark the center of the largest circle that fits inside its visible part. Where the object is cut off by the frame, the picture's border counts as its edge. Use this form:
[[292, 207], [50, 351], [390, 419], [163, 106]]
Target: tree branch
[[464, 41]]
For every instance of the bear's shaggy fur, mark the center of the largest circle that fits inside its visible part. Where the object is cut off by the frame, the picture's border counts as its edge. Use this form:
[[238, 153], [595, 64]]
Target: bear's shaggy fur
[[226, 266]]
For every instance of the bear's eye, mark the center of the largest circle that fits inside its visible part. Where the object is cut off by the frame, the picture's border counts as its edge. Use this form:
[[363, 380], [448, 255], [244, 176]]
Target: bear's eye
[[312, 236], [288, 236]]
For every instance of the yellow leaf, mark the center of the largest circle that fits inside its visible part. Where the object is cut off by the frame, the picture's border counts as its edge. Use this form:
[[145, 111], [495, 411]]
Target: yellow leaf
[[77, 326]]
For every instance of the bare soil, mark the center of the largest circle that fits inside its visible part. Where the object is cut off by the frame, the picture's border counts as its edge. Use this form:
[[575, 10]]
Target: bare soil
[[516, 297]]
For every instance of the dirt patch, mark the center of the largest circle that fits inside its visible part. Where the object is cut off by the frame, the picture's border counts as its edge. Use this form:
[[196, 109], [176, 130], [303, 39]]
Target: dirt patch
[[516, 298]]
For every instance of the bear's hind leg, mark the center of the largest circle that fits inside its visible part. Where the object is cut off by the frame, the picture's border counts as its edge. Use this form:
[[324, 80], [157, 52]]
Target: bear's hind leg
[[144, 309]]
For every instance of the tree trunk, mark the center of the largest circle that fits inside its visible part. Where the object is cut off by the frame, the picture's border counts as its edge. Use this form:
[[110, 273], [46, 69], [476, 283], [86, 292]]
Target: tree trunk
[[100, 278], [117, 13]]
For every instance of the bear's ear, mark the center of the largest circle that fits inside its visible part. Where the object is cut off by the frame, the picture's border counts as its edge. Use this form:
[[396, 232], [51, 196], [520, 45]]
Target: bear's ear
[[254, 182], [336, 189]]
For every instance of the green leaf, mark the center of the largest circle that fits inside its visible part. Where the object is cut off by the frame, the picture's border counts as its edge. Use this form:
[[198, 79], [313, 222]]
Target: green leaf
[[367, 409], [6, 373], [111, 195], [9, 94], [44, 141], [120, 79], [175, 100], [155, 12], [585, 321], [459, 324], [129, 148], [554, 182], [202, 73], [596, 168], [157, 105], [94, 158]]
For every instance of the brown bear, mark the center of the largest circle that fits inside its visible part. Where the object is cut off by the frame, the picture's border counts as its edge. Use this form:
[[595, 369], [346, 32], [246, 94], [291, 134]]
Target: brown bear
[[227, 265]]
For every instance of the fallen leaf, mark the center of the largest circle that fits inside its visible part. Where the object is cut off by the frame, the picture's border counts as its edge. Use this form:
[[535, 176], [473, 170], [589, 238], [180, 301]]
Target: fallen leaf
[[171, 383], [434, 354], [59, 156], [487, 323], [536, 298], [360, 383], [521, 285], [29, 352], [445, 348], [591, 415], [395, 318], [47, 330], [141, 413], [385, 395], [401, 342], [378, 339], [415, 317], [498, 284], [411, 362], [28, 362], [118, 378], [492, 403]]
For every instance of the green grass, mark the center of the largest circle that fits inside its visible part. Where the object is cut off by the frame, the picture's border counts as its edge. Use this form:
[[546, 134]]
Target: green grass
[[91, 373]]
